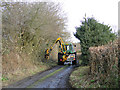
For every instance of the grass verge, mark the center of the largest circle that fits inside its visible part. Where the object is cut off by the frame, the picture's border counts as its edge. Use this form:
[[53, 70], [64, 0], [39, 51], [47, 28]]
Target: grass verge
[[80, 78]]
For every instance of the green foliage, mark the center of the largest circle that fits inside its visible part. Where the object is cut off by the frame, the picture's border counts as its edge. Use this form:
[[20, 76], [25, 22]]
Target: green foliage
[[92, 81], [92, 33], [4, 78]]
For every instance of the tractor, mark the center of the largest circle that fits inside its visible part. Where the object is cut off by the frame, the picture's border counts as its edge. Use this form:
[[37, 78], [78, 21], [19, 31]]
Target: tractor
[[66, 54]]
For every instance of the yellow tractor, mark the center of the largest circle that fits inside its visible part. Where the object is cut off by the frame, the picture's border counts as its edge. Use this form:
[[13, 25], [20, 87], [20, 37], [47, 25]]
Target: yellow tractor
[[66, 54]]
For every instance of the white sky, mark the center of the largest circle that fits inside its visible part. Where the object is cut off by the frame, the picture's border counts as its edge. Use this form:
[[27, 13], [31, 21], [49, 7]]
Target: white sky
[[103, 10]]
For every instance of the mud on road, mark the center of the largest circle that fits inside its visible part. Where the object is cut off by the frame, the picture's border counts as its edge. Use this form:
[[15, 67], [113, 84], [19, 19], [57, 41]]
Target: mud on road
[[57, 77]]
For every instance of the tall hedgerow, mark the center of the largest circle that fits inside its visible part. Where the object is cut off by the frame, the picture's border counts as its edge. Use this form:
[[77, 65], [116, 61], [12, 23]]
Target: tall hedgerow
[[92, 33]]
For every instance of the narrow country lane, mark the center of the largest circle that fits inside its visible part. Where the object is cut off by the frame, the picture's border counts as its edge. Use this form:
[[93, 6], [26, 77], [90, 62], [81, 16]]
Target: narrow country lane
[[56, 77]]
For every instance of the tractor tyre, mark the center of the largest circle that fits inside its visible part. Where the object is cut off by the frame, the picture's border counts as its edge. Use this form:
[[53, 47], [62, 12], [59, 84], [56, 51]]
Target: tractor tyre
[[60, 57]]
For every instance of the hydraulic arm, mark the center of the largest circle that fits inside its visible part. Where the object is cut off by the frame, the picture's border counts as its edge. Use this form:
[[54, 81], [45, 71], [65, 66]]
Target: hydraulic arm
[[48, 51]]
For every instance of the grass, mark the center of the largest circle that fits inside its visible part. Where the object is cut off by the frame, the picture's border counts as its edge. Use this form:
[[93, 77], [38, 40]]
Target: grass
[[80, 78]]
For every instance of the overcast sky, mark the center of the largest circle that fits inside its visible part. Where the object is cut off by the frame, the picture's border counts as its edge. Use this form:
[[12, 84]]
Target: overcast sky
[[103, 10]]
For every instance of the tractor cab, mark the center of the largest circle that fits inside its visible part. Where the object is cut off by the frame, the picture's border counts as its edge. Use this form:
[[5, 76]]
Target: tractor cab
[[69, 48]]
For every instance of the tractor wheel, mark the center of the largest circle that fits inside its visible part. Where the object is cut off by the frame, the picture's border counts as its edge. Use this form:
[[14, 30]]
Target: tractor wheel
[[75, 62], [60, 57]]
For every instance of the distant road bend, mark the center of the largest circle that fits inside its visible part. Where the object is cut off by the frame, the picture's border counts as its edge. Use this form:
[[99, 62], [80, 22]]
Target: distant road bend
[[56, 77]]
